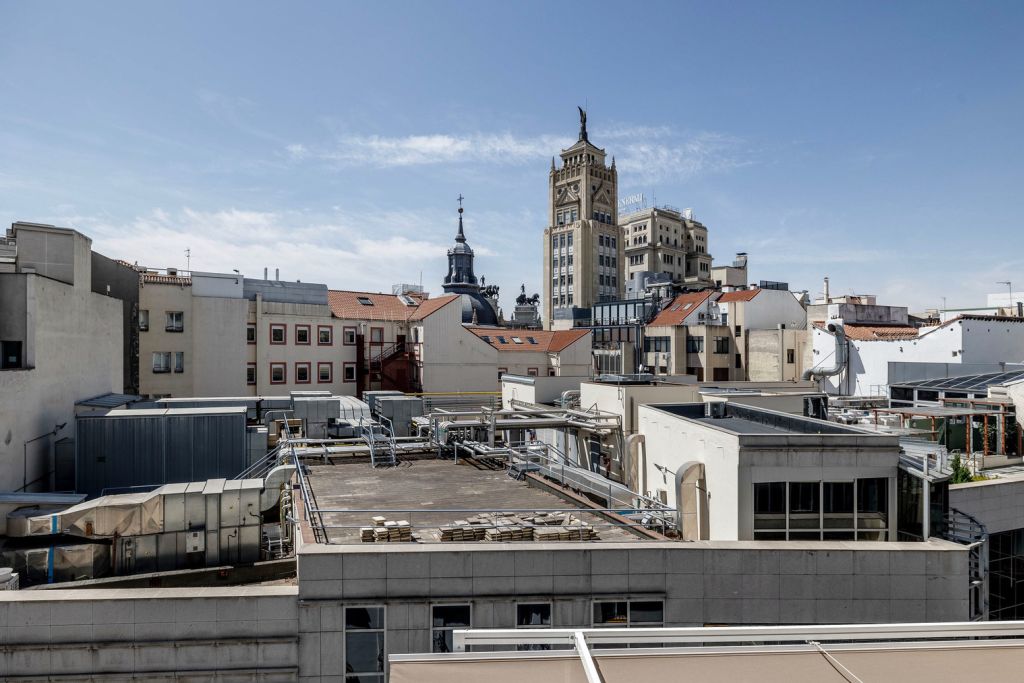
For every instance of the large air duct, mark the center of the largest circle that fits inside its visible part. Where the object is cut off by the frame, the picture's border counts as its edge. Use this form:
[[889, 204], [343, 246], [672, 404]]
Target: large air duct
[[841, 356]]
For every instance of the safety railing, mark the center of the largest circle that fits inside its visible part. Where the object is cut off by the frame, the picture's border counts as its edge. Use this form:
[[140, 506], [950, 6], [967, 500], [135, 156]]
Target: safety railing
[[341, 526]]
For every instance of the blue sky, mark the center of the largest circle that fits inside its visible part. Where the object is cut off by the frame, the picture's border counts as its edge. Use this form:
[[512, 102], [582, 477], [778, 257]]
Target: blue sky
[[880, 144]]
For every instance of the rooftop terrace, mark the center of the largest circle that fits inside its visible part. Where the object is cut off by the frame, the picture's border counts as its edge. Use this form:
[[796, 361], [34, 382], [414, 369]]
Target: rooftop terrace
[[433, 495]]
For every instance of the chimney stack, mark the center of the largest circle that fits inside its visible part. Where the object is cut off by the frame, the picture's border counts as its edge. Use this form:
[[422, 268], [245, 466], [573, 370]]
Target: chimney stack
[[277, 273], [826, 290], [264, 273]]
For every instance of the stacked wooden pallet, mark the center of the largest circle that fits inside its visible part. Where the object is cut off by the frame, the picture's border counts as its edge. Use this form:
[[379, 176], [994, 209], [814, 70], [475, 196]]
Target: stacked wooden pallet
[[384, 531]]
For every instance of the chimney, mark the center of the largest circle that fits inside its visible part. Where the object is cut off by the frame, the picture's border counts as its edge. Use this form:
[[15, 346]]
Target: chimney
[[264, 273], [277, 273], [826, 290]]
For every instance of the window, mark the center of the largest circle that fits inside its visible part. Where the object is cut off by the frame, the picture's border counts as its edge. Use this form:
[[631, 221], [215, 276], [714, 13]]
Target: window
[[302, 371], [533, 615], [278, 334], [694, 344], [278, 373], [721, 345], [738, 331], [324, 373], [348, 372], [10, 354], [250, 373], [376, 335], [551, 372], [738, 361], [175, 321], [161, 361], [364, 301], [365, 652], [502, 371], [657, 344], [348, 336], [250, 333], [179, 361], [531, 372], [302, 334], [143, 321], [531, 340], [444, 620], [628, 613], [325, 335], [821, 510], [790, 356]]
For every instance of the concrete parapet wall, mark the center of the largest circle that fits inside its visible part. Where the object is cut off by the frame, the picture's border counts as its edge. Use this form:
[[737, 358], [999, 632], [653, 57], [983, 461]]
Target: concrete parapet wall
[[215, 634]]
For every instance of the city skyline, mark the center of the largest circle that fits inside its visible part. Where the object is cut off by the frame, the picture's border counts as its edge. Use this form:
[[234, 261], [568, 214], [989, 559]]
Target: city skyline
[[821, 140]]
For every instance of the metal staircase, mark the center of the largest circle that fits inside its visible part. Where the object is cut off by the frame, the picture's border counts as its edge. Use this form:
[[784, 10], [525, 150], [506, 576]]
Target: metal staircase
[[380, 438], [964, 529]]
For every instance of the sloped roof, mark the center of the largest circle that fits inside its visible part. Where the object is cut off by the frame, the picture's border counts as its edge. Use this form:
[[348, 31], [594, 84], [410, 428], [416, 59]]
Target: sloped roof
[[858, 332], [346, 304], [430, 306], [738, 295], [682, 306], [158, 279], [548, 341]]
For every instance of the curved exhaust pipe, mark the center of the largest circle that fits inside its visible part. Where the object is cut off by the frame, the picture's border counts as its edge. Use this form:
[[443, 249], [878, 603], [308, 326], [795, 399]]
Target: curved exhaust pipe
[[842, 357]]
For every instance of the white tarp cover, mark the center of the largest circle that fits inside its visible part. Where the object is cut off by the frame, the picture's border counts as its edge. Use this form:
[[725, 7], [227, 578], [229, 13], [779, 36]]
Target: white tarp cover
[[130, 514]]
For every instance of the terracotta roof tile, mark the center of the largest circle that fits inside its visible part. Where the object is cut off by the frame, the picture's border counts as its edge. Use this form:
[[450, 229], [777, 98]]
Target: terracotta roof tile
[[432, 306], [548, 341], [858, 332], [738, 295], [158, 279], [682, 306], [346, 305]]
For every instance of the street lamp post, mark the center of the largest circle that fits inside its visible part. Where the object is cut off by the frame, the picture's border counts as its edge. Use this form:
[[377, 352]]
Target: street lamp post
[[24, 449]]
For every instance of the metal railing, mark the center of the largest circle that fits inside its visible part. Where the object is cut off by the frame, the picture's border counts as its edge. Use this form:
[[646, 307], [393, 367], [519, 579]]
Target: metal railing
[[964, 529], [427, 520]]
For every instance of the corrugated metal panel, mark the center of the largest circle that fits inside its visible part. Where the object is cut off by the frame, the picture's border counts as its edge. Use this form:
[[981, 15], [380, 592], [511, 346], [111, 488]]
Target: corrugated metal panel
[[138, 448]]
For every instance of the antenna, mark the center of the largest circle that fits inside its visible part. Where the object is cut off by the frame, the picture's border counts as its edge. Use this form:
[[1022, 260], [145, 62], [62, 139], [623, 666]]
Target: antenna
[[188, 260]]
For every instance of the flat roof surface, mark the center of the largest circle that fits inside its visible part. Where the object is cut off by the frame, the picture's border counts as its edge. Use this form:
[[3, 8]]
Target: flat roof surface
[[748, 420], [430, 486], [741, 426]]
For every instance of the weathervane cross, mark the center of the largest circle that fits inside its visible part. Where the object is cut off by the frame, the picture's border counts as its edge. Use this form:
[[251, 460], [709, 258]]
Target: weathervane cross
[[460, 200]]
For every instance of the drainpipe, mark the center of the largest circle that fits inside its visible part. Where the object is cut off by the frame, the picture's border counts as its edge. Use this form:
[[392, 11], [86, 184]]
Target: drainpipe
[[842, 357]]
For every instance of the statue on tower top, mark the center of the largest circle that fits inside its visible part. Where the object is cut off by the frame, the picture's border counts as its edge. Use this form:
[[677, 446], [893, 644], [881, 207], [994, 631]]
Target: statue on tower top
[[583, 123]]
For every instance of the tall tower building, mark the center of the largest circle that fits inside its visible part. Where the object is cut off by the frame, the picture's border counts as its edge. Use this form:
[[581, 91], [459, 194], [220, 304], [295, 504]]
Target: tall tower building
[[582, 248]]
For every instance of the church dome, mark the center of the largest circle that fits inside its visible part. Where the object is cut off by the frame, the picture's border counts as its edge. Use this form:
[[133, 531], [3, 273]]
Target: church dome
[[477, 310]]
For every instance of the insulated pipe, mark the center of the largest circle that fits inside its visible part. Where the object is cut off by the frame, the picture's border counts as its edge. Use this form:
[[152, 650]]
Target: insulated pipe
[[842, 358]]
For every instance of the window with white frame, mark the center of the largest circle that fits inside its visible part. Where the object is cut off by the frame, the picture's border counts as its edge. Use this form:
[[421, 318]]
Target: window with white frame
[[365, 649], [161, 361], [444, 619], [278, 334], [250, 333], [143, 320], [179, 361], [250, 373], [278, 373], [348, 336], [175, 321]]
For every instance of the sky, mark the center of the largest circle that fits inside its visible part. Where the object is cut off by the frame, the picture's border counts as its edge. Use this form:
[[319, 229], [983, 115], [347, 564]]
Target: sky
[[879, 144]]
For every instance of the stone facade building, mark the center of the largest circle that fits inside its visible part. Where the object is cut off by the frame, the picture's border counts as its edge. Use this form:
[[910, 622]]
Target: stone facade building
[[582, 246]]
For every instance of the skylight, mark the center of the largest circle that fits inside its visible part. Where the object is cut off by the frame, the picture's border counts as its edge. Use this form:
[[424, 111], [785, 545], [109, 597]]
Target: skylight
[[501, 340], [365, 301], [517, 340], [531, 340], [485, 338]]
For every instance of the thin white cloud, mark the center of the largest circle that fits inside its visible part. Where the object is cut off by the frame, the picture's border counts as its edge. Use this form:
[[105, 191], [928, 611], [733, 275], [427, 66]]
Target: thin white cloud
[[343, 249], [646, 153]]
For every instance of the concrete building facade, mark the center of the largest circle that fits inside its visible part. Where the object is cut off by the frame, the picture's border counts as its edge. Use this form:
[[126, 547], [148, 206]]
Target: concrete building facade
[[666, 240], [60, 342]]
